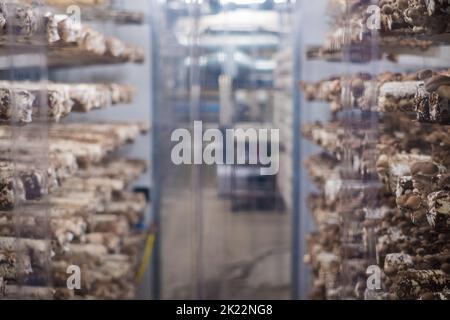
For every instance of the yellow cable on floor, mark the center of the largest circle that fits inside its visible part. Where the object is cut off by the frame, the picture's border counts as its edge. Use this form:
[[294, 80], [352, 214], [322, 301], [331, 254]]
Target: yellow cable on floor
[[146, 257]]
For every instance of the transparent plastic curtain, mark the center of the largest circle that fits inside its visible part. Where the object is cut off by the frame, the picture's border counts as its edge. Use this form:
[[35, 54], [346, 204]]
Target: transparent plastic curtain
[[311, 29], [248, 217], [26, 236], [195, 91], [173, 207]]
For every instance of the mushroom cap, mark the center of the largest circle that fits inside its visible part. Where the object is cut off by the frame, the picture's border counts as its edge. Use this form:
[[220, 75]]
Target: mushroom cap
[[433, 83], [444, 91], [424, 167]]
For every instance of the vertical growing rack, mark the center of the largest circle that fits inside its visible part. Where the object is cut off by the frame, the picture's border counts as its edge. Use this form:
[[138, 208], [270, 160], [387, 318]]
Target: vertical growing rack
[[68, 169]]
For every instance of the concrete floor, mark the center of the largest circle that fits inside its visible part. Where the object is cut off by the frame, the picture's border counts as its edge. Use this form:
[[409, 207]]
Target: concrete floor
[[210, 252]]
